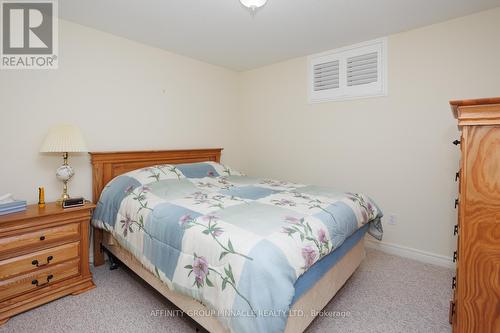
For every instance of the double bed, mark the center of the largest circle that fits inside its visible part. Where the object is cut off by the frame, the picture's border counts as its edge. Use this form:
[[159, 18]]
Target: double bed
[[235, 253]]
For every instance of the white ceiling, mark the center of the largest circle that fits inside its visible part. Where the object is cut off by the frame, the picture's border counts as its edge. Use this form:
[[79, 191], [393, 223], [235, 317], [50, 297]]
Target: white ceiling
[[223, 32]]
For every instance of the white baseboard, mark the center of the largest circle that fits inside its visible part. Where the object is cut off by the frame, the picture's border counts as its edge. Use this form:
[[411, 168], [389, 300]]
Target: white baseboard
[[408, 252]]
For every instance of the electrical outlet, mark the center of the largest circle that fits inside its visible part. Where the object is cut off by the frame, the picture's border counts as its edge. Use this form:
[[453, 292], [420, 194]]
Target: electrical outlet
[[393, 219]]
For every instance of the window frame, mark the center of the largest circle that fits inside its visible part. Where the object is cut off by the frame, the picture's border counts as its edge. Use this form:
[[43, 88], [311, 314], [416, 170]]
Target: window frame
[[345, 92]]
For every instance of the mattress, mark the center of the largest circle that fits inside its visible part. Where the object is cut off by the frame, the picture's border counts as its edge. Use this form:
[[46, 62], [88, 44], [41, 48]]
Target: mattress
[[318, 270]]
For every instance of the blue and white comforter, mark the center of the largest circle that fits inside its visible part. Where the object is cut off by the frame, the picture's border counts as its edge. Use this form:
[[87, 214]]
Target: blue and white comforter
[[235, 243]]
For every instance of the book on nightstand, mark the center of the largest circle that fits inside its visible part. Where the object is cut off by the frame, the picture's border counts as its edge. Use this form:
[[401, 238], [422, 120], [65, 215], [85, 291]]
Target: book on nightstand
[[9, 205]]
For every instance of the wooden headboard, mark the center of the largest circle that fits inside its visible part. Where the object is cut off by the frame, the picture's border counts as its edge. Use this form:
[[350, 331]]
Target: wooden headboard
[[107, 165]]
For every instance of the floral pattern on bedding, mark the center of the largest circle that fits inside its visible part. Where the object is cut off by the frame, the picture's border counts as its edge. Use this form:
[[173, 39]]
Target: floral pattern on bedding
[[235, 243]]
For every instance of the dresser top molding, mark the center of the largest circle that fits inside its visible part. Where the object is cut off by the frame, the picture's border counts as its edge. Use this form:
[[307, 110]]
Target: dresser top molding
[[483, 111]]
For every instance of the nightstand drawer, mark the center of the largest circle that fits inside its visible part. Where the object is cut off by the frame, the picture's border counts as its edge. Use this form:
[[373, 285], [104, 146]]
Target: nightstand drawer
[[38, 239], [38, 279], [37, 260]]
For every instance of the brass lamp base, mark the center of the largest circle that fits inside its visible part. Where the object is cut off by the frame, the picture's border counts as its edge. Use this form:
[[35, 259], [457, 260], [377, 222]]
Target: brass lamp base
[[64, 195], [64, 173]]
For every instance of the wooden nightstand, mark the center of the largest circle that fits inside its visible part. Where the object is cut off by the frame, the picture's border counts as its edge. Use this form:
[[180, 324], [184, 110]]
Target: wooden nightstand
[[44, 255]]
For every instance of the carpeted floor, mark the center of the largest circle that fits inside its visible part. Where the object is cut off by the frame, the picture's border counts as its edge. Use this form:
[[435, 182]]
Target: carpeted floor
[[386, 294]]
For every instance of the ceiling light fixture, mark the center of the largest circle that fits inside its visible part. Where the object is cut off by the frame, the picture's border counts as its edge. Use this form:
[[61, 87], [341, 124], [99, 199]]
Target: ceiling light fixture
[[253, 5]]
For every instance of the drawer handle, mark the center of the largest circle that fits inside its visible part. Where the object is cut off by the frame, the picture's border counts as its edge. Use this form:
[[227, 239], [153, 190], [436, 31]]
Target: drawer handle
[[42, 238], [35, 282], [451, 313], [456, 142], [37, 264]]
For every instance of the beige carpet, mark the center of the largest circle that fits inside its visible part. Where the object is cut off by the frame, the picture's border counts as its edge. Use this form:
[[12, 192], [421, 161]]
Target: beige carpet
[[386, 294]]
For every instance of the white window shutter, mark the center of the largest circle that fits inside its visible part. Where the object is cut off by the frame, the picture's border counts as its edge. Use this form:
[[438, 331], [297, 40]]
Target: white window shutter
[[356, 71], [326, 75], [362, 69]]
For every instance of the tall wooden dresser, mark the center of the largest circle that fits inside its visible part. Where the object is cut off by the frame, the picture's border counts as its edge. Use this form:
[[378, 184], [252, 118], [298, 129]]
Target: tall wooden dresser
[[476, 303]]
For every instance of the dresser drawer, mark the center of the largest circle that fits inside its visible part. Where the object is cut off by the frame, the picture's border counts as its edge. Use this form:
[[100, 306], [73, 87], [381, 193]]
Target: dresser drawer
[[43, 256], [32, 261], [38, 279], [38, 239]]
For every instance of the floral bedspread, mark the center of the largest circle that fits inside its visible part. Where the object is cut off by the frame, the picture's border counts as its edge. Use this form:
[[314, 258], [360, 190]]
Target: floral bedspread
[[235, 243]]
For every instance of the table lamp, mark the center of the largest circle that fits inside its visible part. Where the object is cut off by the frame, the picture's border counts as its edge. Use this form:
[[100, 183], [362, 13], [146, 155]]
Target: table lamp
[[64, 139]]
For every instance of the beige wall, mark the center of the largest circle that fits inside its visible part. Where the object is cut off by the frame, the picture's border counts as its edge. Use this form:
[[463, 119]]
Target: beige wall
[[397, 148], [123, 95]]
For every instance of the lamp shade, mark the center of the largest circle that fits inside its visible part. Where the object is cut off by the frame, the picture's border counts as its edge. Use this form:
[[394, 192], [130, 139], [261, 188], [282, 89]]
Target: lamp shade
[[64, 139]]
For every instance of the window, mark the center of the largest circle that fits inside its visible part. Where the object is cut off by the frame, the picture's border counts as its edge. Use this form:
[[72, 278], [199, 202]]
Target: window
[[355, 71]]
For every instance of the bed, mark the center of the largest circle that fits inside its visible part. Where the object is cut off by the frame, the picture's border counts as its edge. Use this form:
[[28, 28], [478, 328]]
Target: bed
[[235, 253]]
